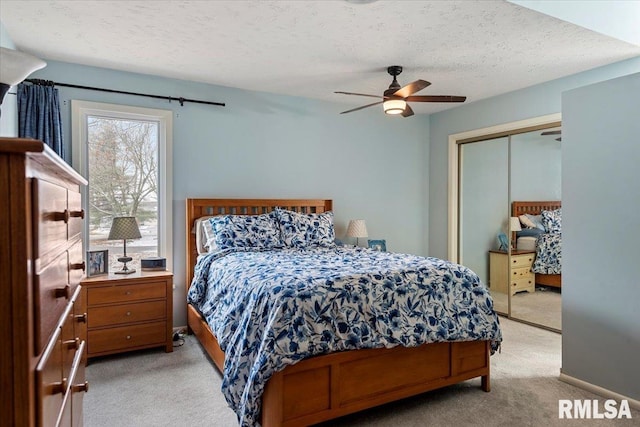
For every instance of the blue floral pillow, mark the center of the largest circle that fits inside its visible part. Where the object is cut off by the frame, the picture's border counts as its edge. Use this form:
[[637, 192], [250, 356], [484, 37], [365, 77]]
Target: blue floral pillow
[[306, 230], [246, 231], [552, 221]]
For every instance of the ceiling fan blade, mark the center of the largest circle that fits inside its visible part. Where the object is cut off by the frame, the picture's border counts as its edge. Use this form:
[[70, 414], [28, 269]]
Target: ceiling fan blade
[[551, 132], [360, 94], [408, 112], [360, 108], [411, 88], [436, 98]]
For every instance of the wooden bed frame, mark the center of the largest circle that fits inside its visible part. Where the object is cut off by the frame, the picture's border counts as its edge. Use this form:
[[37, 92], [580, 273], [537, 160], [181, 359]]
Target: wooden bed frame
[[332, 385], [536, 208]]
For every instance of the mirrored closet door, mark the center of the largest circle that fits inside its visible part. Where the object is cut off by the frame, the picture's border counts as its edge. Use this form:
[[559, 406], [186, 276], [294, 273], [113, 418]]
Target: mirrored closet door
[[535, 187], [504, 180]]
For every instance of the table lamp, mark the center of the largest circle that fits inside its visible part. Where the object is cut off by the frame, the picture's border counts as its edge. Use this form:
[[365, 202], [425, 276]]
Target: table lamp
[[514, 225], [357, 228], [124, 227]]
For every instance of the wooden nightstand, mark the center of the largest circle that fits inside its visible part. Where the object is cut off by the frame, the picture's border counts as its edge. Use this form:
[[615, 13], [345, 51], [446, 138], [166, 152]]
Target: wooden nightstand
[[521, 279], [129, 312]]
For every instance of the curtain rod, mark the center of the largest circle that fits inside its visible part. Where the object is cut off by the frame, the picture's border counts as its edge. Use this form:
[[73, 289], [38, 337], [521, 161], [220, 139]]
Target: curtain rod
[[169, 98]]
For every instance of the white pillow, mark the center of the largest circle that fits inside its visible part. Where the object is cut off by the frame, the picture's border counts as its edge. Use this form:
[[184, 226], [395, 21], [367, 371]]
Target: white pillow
[[524, 220], [204, 235]]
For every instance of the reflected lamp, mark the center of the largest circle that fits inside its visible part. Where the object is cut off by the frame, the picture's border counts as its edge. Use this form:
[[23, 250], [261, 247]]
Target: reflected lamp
[[357, 228]]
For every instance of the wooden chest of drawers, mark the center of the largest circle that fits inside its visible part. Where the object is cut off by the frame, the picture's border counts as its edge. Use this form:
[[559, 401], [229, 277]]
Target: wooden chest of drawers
[[42, 312], [512, 273], [129, 312]]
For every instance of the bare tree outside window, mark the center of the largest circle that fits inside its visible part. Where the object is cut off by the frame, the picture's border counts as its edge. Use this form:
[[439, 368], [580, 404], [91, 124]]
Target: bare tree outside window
[[123, 181]]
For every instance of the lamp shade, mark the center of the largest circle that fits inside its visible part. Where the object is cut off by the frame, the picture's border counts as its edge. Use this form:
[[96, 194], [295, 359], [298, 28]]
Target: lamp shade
[[357, 228], [15, 66], [394, 106], [514, 224], [124, 227]]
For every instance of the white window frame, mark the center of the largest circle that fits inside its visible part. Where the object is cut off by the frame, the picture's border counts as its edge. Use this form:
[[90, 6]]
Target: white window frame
[[80, 110]]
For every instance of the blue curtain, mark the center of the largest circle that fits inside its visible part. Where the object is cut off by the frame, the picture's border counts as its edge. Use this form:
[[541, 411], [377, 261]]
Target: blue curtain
[[39, 115]]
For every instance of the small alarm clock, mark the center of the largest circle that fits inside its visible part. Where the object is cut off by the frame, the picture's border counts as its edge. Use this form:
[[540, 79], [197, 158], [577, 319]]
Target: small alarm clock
[[153, 264]]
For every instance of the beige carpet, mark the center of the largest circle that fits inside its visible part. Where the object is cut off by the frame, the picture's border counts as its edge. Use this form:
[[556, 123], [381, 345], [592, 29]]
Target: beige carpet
[[153, 388], [543, 307]]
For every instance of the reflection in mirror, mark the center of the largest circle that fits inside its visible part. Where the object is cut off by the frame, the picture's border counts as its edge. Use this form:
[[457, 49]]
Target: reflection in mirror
[[535, 177], [484, 203]]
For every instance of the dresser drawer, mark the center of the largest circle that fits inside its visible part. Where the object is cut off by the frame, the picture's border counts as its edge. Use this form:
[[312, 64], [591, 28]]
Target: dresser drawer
[[522, 260], [126, 293], [76, 264], [52, 293], [50, 218], [126, 337], [76, 214], [127, 313], [49, 385]]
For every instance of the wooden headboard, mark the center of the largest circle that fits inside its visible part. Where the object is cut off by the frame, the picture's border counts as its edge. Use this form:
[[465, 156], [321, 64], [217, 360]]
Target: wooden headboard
[[197, 208], [533, 208]]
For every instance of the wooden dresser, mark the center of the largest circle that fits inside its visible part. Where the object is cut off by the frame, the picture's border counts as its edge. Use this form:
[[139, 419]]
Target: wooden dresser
[[42, 317], [129, 312]]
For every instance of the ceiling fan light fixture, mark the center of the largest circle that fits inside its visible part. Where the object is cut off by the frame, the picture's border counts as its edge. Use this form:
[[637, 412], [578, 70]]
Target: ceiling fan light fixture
[[394, 106]]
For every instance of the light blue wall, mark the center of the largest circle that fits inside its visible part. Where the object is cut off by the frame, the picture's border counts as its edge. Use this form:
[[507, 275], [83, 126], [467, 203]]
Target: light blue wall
[[536, 165], [534, 101], [484, 202], [9, 117], [601, 234], [269, 146]]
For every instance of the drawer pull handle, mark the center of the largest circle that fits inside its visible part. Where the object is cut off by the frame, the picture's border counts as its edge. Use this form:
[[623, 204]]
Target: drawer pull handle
[[127, 293], [128, 337], [77, 214], [81, 318], [74, 343], [77, 266], [59, 387], [128, 313], [80, 387], [63, 292], [59, 216]]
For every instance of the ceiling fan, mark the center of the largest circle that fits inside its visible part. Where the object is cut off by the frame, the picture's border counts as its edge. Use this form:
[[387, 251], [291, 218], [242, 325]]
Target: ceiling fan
[[553, 132], [394, 100]]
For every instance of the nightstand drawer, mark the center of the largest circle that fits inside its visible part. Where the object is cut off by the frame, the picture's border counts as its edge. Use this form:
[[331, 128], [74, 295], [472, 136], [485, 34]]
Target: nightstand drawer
[[522, 284], [521, 260], [127, 337], [127, 313], [521, 273], [126, 293]]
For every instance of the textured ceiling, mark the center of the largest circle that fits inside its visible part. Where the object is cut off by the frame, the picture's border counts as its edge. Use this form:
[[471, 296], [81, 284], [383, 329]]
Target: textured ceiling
[[313, 48]]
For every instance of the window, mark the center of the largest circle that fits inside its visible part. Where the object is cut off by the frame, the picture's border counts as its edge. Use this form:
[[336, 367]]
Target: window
[[122, 151]]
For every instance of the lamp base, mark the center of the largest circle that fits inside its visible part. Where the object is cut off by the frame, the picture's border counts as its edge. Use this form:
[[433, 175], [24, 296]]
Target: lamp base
[[125, 269]]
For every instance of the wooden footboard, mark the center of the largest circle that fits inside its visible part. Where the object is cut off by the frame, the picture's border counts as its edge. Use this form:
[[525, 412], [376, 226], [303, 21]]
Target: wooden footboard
[[336, 384]]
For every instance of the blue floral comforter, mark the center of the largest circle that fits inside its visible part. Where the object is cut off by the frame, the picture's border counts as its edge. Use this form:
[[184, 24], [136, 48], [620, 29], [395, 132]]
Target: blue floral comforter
[[548, 254], [272, 308]]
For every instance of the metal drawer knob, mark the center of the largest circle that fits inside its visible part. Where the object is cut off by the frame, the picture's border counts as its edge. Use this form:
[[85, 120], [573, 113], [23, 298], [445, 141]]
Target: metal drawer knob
[[77, 214], [127, 293], [77, 266], [81, 318], [128, 313], [128, 337]]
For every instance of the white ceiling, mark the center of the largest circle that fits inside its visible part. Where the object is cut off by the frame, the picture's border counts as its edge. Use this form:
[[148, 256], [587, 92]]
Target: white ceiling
[[313, 48]]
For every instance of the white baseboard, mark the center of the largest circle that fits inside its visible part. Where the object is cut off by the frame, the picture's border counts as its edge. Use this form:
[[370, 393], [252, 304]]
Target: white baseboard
[[598, 390]]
